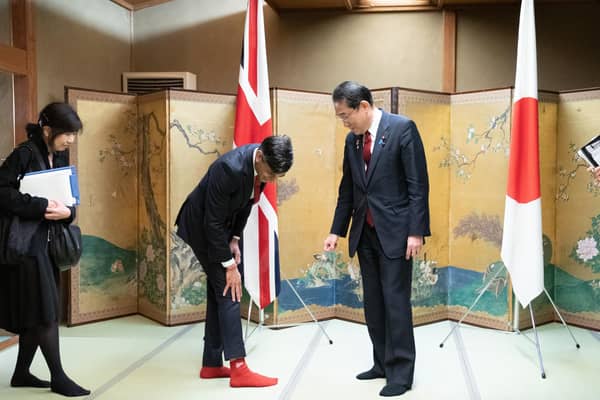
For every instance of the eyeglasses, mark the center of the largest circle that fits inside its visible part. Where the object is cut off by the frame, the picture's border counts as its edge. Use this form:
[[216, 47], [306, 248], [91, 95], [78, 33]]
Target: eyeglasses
[[344, 117]]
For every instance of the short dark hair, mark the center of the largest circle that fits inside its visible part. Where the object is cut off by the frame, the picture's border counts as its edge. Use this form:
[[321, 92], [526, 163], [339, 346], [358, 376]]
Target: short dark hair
[[353, 93], [60, 117], [277, 152]]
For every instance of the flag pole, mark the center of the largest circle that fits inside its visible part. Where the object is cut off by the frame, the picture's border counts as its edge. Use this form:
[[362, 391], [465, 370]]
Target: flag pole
[[562, 319], [487, 285], [261, 319], [536, 343], [516, 312], [522, 238]]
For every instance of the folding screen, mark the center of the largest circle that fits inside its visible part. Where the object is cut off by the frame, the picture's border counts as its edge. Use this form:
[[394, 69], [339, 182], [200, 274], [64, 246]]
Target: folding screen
[[577, 280], [153, 288], [305, 198], [139, 157], [105, 283], [477, 157], [478, 160], [431, 113], [201, 129], [182, 134]]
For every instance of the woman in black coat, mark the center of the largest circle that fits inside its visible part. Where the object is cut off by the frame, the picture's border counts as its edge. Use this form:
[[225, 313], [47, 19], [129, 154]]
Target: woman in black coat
[[29, 294]]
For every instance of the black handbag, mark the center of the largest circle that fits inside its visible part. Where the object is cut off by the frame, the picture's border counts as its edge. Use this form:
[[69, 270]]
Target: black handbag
[[15, 238], [16, 233], [64, 245]]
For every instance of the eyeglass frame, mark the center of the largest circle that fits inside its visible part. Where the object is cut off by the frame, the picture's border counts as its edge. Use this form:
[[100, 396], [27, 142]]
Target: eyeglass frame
[[344, 118]]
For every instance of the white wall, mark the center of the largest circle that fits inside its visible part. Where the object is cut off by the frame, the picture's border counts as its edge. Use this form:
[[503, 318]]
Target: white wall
[[309, 51], [567, 42], [81, 43]]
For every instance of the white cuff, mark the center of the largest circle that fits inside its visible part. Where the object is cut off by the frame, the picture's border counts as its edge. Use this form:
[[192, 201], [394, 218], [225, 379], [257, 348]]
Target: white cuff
[[228, 263]]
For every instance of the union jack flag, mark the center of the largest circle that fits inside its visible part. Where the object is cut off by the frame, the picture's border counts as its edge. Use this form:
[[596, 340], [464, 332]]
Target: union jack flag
[[252, 125]]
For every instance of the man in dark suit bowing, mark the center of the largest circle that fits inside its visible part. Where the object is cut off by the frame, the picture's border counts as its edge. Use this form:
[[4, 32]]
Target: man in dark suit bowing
[[211, 221], [384, 189]]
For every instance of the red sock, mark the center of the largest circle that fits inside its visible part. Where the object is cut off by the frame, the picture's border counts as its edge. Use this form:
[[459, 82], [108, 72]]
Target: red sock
[[241, 376], [214, 372]]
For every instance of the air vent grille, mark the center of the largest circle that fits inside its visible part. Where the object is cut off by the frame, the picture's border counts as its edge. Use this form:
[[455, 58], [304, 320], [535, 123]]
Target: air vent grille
[[146, 82]]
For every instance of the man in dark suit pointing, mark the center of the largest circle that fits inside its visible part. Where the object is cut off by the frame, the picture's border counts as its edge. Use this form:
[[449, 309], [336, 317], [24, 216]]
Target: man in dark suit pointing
[[211, 221], [384, 190]]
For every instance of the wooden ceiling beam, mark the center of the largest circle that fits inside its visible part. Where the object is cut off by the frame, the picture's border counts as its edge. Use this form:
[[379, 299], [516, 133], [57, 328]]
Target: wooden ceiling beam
[[13, 60], [124, 4], [395, 5], [449, 51], [135, 5], [140, 4]]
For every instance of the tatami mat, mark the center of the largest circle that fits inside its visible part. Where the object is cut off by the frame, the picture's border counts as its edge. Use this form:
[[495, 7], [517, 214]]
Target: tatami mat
[[135, 358]]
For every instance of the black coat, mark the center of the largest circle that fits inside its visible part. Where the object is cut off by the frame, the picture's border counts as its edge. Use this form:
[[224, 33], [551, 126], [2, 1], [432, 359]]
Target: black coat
[[28, 291], [218, 208]]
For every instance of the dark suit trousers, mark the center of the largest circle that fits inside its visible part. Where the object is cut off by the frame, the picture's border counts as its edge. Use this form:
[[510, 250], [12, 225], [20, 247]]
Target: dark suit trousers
[[223, 327], [387, 289]]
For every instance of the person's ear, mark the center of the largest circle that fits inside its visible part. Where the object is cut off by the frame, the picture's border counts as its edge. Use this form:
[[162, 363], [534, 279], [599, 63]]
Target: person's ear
[[46, 131], [259, 156]]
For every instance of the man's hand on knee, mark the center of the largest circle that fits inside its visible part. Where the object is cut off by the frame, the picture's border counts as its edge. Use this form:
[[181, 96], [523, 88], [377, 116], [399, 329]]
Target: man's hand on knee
[[234, 282]]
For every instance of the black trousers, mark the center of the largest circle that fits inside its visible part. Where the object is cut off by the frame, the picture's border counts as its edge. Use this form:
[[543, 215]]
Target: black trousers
[[388, 312], [223, 327]]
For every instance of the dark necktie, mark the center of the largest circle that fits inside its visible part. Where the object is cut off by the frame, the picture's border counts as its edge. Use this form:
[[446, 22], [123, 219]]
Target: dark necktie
[[256, 189], [367, 148], [367, 158]]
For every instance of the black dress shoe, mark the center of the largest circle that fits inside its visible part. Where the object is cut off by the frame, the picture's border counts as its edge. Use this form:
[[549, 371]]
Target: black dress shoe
[[393, 389], [370, 374]]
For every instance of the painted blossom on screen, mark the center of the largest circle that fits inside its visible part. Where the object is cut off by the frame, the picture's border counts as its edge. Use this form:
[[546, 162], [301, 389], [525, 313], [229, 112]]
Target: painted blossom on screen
[[204, 141], [463, 159], [567, 175], [587, 249]]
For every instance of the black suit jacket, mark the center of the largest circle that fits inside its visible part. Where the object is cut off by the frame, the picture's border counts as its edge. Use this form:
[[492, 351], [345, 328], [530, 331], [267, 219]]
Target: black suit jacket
[[396, 187], [218, 208]]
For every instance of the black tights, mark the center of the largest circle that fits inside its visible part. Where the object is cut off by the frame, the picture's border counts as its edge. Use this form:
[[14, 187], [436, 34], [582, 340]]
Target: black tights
[[46, 337]]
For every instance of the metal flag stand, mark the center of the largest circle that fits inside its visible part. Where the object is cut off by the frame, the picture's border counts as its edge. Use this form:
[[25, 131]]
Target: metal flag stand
[[261, 318], [515, 325]]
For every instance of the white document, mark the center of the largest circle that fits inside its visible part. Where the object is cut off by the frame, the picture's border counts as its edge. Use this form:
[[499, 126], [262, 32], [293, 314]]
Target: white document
[[53, 184]]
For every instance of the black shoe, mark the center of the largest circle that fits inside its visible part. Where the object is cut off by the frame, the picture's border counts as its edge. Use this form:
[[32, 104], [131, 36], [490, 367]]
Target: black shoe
[[66, 387], [370, 374], [393, 389], [28, 380]]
